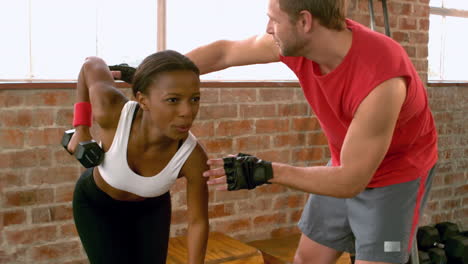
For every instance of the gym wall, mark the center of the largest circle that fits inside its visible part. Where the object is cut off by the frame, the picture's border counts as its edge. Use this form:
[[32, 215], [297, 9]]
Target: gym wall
[[270, 120]]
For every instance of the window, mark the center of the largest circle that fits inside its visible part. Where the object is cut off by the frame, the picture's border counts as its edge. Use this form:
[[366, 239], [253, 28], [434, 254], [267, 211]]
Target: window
[[194, 23], [448, 40], [49, 39]]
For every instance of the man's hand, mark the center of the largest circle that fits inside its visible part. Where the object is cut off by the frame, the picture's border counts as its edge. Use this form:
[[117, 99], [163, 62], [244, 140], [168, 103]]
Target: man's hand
[[123, 72], [239, 172], [216, 174], [116, 75]]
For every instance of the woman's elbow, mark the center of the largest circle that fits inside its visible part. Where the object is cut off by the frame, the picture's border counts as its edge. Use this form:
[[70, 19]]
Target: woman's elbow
[[92, 63]]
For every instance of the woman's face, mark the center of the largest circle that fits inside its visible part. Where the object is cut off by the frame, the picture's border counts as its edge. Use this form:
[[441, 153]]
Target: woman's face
[[174, 99]]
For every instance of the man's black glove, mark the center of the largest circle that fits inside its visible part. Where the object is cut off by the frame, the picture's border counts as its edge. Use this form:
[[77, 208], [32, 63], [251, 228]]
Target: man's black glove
[[126, 72], [246, 172]]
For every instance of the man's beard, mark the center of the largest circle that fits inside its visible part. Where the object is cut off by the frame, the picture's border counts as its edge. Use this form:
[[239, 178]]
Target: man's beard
[[292, 49]]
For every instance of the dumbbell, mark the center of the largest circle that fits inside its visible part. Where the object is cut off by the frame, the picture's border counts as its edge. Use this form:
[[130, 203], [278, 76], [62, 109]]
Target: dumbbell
[[432, 256], [437, 256], [88, 153], [424, 258], [456, 244], [428, 237], [446, 230], [456, 248]]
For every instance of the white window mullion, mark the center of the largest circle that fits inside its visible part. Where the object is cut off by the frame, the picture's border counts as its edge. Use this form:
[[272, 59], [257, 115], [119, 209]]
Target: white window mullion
[[97, 25], [30, 61], [161, 24], [442, 48]]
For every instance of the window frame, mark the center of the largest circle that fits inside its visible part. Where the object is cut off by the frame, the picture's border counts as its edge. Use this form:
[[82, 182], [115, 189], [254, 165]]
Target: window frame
[[29, 82], [204, 84], [447, 12], [161, 45]]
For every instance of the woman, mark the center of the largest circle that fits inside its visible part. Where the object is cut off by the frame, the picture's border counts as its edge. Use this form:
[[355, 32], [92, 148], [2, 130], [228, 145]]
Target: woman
[[122, 208]]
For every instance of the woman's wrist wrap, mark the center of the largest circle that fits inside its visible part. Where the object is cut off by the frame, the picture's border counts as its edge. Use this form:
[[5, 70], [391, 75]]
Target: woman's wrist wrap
[[246, 172], [82, 114]]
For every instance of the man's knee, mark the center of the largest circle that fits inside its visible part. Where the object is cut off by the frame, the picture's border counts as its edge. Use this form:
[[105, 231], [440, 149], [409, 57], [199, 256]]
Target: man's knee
[[299, 258], [310, 252], [312, 258], [305, 253]]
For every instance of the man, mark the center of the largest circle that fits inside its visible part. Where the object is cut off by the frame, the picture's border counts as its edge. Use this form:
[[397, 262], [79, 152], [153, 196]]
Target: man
[[372, 107]]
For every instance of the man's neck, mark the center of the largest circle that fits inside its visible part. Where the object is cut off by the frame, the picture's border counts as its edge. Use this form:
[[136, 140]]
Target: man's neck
[[329, 48]]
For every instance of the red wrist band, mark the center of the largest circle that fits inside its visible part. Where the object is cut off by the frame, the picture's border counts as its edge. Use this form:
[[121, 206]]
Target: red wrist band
[[82, 114]]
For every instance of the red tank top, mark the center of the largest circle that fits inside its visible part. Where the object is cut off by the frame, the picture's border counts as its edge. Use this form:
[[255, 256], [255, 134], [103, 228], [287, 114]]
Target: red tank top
[[334, 97]]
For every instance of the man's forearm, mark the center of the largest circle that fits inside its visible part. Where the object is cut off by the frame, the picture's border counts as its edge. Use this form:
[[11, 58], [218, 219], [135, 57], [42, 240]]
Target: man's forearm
[[322, 180], [197, 237]]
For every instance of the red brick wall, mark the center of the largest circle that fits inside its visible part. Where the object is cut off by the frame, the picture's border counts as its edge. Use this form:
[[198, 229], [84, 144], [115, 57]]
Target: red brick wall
[[409, 25], [449, 197], [37, 176]]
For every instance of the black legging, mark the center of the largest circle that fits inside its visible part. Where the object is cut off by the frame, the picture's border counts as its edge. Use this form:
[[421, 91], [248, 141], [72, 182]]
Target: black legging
[[114, 231]]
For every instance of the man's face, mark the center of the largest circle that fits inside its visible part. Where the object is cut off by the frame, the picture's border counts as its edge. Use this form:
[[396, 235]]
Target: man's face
[[284, 32]]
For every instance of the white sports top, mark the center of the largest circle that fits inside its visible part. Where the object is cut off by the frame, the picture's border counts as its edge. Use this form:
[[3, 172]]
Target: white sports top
[[116, 172]]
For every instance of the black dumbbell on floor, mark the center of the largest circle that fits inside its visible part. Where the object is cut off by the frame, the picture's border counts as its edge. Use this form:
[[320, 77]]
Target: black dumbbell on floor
[[437, 256], [429, 241], [457, 249], [424, 258], [456, 244], [428, 237], [446, 230], [88, 153]]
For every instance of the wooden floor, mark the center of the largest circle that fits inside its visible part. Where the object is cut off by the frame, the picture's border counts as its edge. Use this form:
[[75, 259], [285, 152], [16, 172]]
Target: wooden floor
[[282, 250], [220, 249]]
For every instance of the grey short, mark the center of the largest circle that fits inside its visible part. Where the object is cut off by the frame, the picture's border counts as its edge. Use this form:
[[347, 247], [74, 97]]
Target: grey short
[[377, 225]]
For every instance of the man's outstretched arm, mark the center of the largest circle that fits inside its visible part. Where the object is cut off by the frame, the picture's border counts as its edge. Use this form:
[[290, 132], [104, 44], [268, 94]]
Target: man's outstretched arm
[[223, 54], [365, 145]]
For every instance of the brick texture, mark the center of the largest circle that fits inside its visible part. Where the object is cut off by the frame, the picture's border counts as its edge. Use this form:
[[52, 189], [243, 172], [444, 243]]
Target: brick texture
[[448, 200], [37, 176]]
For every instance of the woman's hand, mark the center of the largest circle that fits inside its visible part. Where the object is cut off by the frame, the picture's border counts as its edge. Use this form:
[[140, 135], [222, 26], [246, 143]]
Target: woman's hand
[[81, 134]]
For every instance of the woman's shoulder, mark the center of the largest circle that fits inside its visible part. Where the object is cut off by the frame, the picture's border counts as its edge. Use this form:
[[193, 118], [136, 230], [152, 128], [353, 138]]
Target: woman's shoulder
[[199, 153], [196, 162]]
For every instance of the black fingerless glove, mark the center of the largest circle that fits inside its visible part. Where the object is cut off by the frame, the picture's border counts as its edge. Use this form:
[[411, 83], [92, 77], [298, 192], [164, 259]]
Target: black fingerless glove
[[246, 172], [126, 71]]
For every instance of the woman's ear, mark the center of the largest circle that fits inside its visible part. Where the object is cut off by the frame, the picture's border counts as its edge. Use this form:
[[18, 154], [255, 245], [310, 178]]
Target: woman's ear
[[142, 100]]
